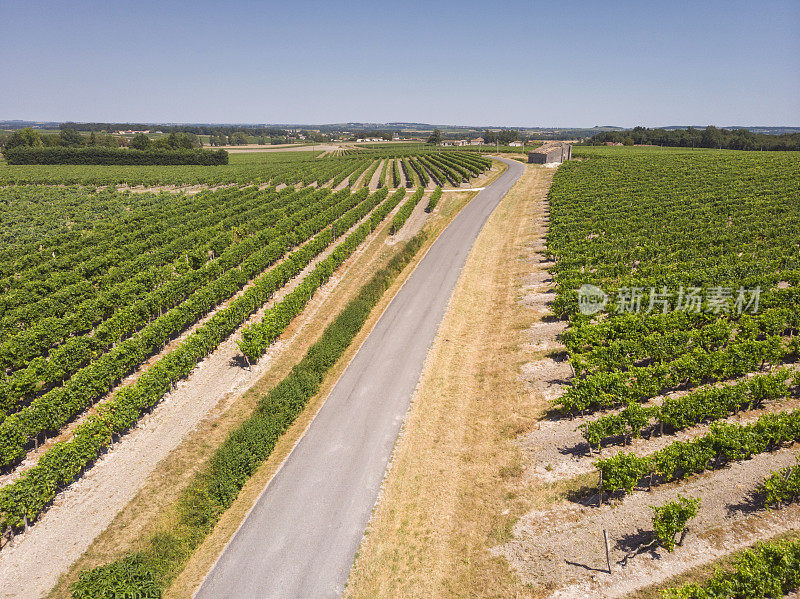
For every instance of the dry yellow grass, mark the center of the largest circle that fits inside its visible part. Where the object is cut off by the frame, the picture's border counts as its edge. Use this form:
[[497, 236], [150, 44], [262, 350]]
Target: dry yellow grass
[[152, 508], [454, 490]]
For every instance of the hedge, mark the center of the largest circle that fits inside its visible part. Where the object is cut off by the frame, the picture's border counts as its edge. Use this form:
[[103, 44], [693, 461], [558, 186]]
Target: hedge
[[103, 155]]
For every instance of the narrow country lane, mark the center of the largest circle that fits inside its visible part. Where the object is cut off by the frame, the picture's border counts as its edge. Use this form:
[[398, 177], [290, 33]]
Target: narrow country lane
[[300, 538]]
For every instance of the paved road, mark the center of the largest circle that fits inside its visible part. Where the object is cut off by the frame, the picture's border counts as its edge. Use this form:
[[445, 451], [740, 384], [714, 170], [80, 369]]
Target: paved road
[[301, 537]]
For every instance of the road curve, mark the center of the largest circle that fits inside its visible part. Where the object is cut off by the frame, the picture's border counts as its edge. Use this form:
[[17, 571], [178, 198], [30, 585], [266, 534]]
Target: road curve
[[301, 536]]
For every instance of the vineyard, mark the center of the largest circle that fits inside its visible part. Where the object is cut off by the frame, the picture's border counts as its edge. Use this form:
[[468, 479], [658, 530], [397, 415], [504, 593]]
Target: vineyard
[[274, 168], [678, 276], [110, 298]]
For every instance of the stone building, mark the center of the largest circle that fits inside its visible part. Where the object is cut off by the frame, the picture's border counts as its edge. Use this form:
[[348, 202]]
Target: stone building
[[550, 152]]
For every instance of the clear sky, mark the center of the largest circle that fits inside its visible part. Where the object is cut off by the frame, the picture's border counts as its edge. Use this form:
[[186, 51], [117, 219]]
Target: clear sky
[[513, 63]]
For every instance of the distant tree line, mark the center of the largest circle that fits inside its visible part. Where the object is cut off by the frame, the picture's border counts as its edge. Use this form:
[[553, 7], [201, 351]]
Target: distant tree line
[[68, 146], [224, 134], [241, 138], [64, 138], [196, 129], [173, 141], [502, 137], [70, 138], [710, 137]]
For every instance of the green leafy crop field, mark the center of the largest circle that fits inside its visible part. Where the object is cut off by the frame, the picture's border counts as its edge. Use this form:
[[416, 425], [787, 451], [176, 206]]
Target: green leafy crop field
[[95, 283], [679, 273]]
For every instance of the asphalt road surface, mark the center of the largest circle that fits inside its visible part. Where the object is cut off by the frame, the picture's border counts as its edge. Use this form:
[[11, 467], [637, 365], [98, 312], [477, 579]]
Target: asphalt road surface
[[301, 537]]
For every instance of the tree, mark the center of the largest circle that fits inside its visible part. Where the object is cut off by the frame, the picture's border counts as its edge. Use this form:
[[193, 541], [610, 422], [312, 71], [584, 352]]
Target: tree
[[51, 140], [110, 141], [240, 138], [24, 137], [140, 142], [489, 137], [711, 137], [506, 136], [435, 138], [92, 139], [69, 137]]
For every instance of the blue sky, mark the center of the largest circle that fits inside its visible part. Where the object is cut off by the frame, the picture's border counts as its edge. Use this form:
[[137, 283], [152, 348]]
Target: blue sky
[[470, 62]]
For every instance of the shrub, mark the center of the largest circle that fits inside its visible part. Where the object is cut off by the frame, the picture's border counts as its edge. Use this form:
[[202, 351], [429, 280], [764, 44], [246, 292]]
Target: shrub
[[670, 519], [129, 577]]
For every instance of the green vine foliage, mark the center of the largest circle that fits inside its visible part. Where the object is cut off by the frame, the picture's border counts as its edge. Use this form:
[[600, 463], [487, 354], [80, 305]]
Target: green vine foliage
[[128, 578], [405, 211], [434, 199], [670, 519], [782, 487], [725, 443], [214, 489], [768, 571]]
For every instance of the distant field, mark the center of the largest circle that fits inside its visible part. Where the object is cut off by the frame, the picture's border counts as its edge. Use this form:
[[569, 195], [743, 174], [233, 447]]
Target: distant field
[[421, 146]]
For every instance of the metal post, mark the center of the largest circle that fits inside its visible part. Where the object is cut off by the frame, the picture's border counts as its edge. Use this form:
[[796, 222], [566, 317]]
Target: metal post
[[600, 494]]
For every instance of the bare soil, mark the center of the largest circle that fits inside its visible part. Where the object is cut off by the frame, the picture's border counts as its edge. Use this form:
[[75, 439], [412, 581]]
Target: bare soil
[[562, 548], [360, 181], [373, 182], [403, 179], [412, 225], [187, 189], [557, 451]]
